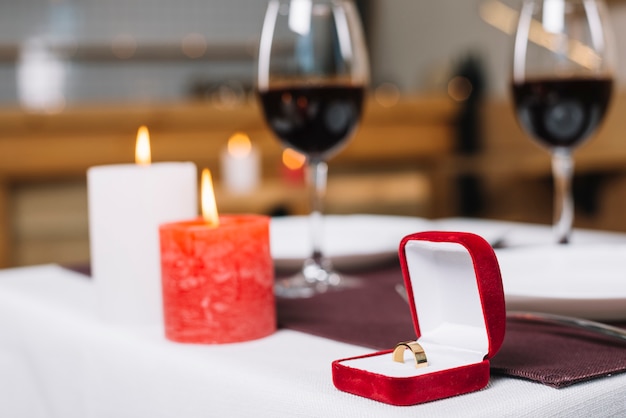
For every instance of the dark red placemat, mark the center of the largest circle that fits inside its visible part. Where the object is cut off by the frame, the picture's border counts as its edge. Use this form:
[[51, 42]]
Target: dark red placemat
[[375, 316]]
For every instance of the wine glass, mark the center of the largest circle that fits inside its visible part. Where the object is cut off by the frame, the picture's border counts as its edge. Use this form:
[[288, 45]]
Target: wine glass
[[563, 65], [312, 76]]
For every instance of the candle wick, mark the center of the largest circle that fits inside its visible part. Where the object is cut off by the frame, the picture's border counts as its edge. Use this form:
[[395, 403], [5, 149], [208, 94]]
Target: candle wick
[[212, 223]]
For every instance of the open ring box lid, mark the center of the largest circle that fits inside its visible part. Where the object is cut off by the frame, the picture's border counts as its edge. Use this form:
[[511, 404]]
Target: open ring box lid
[[456, 301]]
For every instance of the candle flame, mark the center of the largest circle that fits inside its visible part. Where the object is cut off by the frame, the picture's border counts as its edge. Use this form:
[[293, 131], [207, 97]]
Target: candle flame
[[142, 147], [293, 160], [207, 196], [239, 145]]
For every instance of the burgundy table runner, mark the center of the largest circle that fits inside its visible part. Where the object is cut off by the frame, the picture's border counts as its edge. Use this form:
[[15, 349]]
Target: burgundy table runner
[[376, 316]]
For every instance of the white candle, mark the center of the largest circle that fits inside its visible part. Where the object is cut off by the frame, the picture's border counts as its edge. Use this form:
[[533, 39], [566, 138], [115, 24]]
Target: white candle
[[240, 165], [127, 203]]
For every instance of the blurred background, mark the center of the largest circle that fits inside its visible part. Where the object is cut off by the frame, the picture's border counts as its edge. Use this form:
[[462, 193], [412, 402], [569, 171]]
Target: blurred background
[[78, 77]]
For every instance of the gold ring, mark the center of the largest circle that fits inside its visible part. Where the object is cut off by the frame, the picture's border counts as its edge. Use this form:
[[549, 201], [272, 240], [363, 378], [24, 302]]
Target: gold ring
[[416, 349]]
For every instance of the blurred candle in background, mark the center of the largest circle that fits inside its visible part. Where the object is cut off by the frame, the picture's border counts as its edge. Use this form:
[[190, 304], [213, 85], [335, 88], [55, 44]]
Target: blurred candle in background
[[127, 203], [218, 276], [292, 168], [240, 165], [41, 76]]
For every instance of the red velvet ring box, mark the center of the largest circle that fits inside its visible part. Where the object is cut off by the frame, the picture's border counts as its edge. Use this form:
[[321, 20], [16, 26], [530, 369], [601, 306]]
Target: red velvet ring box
[[456, 300]]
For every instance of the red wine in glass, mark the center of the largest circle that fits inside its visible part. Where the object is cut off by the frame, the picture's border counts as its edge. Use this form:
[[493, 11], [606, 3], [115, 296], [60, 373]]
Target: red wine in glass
[[312, 71], [562, 113], [563, 66], [314, 120]]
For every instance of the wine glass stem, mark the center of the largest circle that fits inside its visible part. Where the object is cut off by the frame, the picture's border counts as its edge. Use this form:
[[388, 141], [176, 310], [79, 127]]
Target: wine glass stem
[[317, 173], [562, 171]]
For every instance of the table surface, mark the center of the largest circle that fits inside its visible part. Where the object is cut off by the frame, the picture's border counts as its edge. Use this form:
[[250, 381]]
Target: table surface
[[59, 359]]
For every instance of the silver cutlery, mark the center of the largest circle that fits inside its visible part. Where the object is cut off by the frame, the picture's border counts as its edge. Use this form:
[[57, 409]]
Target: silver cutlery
[[585, 324]]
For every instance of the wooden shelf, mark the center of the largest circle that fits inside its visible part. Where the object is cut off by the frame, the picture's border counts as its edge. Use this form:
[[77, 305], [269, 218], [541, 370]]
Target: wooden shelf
[[390, 165], [67, 143]]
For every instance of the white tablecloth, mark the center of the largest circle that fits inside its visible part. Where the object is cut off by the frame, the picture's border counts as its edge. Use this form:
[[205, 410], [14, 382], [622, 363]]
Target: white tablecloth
[[58, 359]]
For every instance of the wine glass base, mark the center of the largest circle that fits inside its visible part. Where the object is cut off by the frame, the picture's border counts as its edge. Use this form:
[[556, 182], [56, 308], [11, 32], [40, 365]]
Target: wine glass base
[[299, 286]]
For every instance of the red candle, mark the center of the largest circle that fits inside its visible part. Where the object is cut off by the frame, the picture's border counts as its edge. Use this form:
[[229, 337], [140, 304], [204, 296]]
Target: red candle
[[217, 278]]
